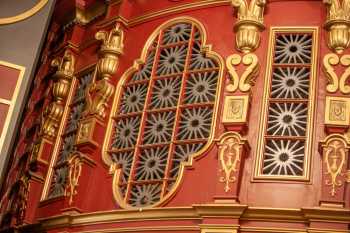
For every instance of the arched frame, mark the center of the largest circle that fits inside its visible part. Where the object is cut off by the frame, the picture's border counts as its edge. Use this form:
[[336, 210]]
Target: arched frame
[[207, 49]]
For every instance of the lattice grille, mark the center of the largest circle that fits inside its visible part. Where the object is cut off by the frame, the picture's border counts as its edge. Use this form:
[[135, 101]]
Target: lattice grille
[[172, 97], [77, 107], [288, 106]]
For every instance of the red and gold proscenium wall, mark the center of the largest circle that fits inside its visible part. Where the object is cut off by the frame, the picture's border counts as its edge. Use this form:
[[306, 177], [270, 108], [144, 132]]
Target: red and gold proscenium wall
[[273, 152]]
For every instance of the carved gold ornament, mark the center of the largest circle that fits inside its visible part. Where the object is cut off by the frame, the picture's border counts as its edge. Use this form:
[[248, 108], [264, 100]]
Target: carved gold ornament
[[62, 80], [100, 91], [250, 23], [235, 109], [246, 81], [230, 150], [335, 152], [337, 111], [335, 83], [75, 167], [338, 24]]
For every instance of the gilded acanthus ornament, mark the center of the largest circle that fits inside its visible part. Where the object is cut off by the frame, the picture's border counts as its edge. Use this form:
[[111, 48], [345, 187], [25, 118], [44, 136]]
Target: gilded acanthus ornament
[[230, 152], [246, 81], [75, 167], [250, 23], [335, 152], [338, 24], [335, 83], [101, 90], [62, 79]]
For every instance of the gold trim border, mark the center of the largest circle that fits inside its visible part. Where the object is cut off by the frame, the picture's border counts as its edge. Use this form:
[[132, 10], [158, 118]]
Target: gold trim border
[[22, 16], [306, 177], [14, 100]]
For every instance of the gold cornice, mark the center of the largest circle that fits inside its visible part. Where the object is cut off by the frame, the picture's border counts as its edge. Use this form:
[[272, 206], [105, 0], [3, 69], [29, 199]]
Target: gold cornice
[[272, 214], [222, 210], [316, 230], [338, 215], [172, 10], [22, 16], [200, 211], [271, 229], [142, 229]]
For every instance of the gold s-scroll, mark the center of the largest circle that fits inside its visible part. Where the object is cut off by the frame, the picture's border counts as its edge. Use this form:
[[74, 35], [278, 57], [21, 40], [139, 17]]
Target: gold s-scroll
[[246, 81]]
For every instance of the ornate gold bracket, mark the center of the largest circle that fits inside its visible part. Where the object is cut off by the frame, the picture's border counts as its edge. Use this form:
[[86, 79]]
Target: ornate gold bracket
[[62, 79], [250, 23], [247, 80], [338, 24], [335, 83], [74, 172], [116, 172], [230, 153], [335, 152], [100, 91]]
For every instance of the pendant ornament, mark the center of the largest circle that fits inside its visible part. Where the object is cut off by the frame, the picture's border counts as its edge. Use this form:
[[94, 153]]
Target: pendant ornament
[[52, 115]]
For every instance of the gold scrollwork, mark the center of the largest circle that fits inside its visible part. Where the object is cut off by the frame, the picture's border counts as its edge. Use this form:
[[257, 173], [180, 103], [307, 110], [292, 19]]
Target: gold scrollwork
[[250, 23], [335, 153], [230, 150], [335, 83], [338, 24], [100, 91], [246, 81], [62, 78], [75, 167]]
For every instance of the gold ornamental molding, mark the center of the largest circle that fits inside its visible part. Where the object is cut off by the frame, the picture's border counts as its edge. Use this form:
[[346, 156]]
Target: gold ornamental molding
[[24, 15], [335, 148], [335, 83], [338, 24], [247, 79], [101, 90], [250, 23], [230, 155]]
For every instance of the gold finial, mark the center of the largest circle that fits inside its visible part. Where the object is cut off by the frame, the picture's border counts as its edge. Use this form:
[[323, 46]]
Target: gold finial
[[338, 24], [249, 24]]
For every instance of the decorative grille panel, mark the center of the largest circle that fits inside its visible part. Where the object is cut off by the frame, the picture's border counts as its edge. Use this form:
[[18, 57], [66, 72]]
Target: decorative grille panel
[[164, 114], [77, 106], [290, 95]]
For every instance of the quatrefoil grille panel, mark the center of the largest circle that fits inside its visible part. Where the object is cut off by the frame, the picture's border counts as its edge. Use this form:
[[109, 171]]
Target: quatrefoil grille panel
[[165, 114]]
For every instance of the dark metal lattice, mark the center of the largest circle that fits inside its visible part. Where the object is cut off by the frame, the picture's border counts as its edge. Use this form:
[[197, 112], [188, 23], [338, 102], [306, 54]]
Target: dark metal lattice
[[288, 109]]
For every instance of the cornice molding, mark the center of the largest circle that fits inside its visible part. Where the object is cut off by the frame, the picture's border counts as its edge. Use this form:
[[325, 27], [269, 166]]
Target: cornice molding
[[198, 212]]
